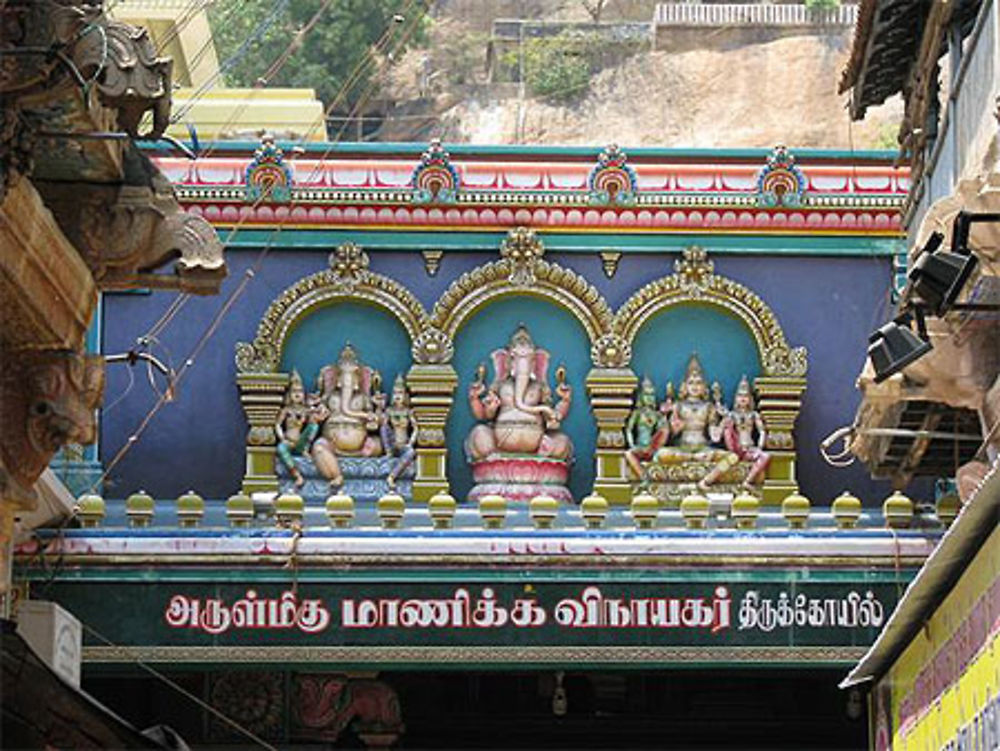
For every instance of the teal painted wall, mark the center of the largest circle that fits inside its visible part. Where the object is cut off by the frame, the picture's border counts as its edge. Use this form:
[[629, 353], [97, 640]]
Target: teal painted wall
[[553, 329], [378, 337], [724, 344]]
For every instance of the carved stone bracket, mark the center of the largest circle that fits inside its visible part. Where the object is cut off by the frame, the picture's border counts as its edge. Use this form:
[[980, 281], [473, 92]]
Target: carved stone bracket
[[125, 233], [48, 399]]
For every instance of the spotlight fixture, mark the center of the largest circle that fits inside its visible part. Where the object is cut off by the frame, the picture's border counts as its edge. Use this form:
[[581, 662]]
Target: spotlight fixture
[[895, 345], [938, 276]]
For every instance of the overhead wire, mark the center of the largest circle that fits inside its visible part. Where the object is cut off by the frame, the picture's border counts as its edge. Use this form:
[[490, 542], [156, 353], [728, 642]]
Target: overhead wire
[[248, 275]]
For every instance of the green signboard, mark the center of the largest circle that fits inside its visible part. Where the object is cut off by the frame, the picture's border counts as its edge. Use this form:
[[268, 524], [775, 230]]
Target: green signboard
[[492, 620]]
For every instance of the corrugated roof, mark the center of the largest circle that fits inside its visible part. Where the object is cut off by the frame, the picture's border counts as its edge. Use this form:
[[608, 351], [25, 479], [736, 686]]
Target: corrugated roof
[[978, 518]]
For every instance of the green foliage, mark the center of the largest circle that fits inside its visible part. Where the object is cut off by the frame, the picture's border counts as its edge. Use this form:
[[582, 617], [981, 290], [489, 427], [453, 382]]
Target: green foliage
[[888, 137], [465, 55], [327, 55], [822, 4], [558, 67]]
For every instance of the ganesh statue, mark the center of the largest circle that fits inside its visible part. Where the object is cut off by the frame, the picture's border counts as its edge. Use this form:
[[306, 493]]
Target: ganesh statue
[[692, 441], [518, 449], [344, 437]]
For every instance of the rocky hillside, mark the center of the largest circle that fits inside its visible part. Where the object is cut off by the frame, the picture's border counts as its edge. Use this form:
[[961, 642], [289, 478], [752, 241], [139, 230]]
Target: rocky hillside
[[718, 95]]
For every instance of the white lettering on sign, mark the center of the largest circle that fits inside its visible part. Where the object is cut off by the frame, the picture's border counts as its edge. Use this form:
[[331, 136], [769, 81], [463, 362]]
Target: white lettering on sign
[[850, 611], [213, 616]]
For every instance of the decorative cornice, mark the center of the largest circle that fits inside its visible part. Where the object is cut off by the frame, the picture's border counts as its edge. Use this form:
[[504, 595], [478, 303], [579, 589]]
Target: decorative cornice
[[465, 655]]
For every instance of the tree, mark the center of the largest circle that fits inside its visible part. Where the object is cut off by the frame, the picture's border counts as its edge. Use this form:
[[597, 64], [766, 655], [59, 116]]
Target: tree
[[250, 35]]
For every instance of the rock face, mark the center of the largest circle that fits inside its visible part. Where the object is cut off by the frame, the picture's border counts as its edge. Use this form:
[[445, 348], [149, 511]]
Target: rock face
[[722, 95]]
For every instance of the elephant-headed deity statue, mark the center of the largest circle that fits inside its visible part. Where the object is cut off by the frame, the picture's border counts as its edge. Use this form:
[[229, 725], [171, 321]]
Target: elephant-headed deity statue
[[351, 422], [518, 449]]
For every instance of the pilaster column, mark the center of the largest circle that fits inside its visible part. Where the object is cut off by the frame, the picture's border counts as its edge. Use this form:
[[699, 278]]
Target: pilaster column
[[262, 396], [432, 390], [611, 392], [779, 400]]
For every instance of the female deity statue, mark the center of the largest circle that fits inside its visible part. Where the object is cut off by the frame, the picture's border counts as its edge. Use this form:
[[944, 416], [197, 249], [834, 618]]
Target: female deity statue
[[351, 425], [296, 427], [399, 431], [739, 428], [646, 429], [696, 423], [516, 410]]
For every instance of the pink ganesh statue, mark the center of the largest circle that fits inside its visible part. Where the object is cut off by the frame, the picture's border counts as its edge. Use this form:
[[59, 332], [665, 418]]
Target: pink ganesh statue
[[518, 450]]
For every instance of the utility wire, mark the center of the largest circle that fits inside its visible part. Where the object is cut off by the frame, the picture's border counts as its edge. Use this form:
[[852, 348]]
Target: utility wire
[[248, 275]]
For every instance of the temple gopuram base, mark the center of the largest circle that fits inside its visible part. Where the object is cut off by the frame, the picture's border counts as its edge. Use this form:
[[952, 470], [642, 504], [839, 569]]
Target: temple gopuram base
[[520, 478], [365, 478]]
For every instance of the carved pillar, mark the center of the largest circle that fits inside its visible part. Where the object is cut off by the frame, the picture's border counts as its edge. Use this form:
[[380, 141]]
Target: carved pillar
[[779, 403], [611, 392], [432, 389], [261, 395]]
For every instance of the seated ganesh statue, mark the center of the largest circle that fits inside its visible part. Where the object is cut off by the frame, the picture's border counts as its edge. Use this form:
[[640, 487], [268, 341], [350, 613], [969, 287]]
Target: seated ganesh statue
[[346, 437], [694, 442], [518, 450]]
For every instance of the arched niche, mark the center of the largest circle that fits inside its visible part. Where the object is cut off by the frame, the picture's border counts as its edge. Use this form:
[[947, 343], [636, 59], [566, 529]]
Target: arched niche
[[348, 280], [377, 336], [553, 328], [695, 283], [724, 344], [521, 270]]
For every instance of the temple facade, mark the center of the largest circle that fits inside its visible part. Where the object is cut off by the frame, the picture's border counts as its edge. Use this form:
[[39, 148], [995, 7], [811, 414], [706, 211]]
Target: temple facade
[[535, 429]]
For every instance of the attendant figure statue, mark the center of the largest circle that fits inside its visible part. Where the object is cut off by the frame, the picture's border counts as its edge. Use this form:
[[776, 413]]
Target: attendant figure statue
[[695, 425], [351, 426], [296, 427], [646, 430], [739, 428], [516, 410], [399, 431]]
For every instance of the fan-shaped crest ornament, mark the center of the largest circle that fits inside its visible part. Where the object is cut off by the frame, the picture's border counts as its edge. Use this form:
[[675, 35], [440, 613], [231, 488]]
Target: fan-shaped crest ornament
[[612, 180], [267, 176], [435, 179], [780, 182]]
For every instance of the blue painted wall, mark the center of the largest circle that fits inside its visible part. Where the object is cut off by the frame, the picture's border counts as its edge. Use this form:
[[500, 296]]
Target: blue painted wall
[[827, 304]]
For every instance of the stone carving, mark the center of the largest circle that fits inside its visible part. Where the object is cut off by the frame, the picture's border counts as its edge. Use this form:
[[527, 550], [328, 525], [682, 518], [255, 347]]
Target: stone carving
[[345, 436], [48, 400], [296, 427], [350, 425], [88, 50], [522, 250], [399, 431], [130, 77], [518, 449], [326, 705], [124, 233], [745, 435], [255, 700], [646, 429]]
